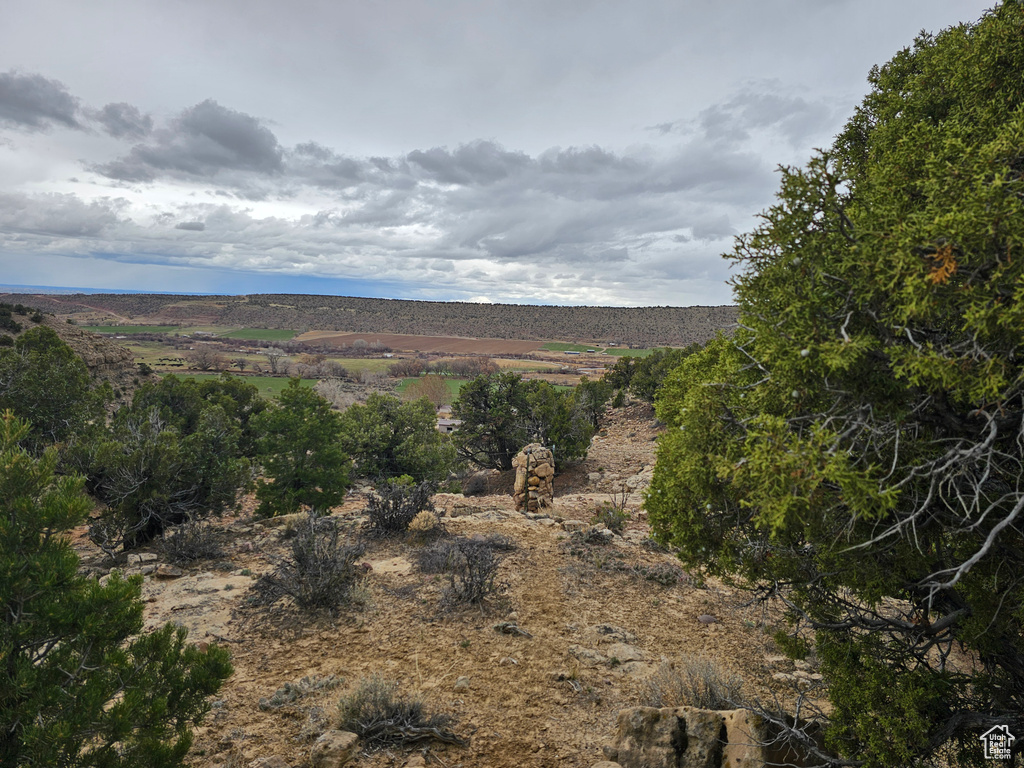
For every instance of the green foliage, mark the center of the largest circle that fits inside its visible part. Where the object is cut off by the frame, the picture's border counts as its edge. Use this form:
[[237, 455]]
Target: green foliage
[[44, 382], [501, 413], [387, 438], [855, 448], [300, 449], [170, 456], [79, 686], [643, 376], [589, 397]]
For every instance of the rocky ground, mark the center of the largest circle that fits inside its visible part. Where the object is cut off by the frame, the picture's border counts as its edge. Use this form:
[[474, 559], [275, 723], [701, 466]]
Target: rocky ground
[[600, 616]]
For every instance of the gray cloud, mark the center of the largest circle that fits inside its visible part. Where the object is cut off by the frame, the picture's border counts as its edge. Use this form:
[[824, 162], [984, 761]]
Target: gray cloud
[[205, 141], [122, 120], [191, 226], [35, 103], [58, 216]]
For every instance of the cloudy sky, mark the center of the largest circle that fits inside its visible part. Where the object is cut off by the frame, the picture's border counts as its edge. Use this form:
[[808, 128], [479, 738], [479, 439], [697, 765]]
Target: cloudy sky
[[522, 151]]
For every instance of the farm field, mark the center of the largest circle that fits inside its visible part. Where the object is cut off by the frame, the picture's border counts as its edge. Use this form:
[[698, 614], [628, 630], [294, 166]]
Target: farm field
[[260, 334], [128, 330], [440, 344]]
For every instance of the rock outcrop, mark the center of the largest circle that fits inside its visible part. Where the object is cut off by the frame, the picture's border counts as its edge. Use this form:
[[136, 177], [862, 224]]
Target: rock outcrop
[[686, 737], [535, 473]]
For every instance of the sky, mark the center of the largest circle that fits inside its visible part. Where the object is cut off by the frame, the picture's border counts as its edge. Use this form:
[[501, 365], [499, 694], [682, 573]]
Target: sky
[[526, 151]]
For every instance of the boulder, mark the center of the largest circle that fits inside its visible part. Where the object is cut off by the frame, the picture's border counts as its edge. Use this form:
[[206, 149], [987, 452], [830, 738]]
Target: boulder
[[334, 749]]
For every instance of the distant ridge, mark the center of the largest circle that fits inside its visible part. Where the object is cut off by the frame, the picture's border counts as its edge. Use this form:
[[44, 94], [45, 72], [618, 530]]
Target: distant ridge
[[641, 326]]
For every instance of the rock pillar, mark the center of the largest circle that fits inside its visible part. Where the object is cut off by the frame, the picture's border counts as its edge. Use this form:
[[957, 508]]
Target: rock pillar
[[535, 472]]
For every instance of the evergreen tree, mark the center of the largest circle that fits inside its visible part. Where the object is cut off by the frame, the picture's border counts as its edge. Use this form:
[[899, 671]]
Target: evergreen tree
[[300, 449], [79, 686], [855, 449]]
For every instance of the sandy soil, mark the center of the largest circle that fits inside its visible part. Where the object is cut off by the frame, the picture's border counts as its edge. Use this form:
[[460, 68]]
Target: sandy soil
[[550, 699]]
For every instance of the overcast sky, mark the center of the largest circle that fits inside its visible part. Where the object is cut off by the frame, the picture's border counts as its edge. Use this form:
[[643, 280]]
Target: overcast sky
[[524, 151]]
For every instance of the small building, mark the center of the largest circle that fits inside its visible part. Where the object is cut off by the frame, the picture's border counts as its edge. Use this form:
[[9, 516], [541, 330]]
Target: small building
[[447, 426]]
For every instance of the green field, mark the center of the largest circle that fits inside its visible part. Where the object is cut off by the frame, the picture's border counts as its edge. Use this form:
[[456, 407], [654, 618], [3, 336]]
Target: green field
[[623, 351], [260, 334], [564, 346], [269, 386], [127, 330]]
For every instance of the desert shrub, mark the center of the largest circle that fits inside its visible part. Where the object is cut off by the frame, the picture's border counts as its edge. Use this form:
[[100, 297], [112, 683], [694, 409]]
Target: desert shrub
[[394, 505], [439, 557], [695, 681], [190, 543], [289, 693], [666, 574], [476, 484], [611, 517], [321, 572], [445, 556], [473, 572], [426, 526], [381, 716]]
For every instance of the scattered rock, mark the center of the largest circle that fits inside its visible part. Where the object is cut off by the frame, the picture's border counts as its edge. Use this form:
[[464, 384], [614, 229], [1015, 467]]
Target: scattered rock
[[461, 684], [274, 761], [333, 749], [706, 618], [141, 558], [165, 571], [573, 525], [416, 761], [587, 655], [607, 633], [624, 652]]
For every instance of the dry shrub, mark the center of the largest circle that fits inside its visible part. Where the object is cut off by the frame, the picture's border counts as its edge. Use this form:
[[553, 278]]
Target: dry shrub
[[289, 693], [381, 716], [191, 542], [694, 681], [426, 526], [321, 573], [394, 505]]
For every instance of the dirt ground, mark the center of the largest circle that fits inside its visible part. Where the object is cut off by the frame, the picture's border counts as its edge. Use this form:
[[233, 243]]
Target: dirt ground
[[547, 699]]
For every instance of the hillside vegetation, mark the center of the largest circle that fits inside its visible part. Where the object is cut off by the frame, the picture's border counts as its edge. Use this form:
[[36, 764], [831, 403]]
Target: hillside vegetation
[[642, 326]]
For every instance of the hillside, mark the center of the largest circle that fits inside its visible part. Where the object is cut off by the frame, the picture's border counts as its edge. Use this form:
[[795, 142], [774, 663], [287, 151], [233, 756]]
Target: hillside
[[640, 326], [549, 698]]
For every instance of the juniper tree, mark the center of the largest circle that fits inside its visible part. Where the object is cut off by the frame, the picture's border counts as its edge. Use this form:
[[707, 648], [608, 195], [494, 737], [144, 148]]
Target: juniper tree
[[855, 449], [79, 684]]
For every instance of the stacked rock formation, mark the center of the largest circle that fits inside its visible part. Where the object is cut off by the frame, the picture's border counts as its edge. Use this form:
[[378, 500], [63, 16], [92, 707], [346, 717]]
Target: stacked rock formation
[[535, 473]]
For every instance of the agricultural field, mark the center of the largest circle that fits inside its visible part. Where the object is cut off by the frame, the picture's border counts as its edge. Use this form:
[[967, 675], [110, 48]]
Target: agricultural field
[[451, 345], [624, 352], [128, 330], [260, 334]]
